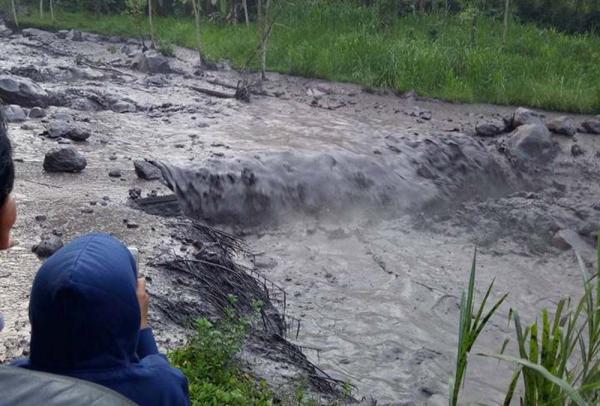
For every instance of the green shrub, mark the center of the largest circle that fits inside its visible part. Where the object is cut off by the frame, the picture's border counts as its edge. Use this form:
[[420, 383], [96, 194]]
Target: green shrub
[[209, 362]]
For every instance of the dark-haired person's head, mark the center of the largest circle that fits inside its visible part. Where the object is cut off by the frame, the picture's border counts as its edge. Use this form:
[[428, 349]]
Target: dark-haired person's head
[[8, 208]]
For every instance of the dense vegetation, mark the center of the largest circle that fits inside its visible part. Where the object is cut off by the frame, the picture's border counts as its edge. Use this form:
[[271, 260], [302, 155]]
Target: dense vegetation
[[459, 56]]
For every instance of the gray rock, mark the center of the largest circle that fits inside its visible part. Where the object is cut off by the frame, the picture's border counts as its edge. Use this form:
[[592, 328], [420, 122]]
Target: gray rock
[[592, 126], [62, 129], [34, 32], [115, 173], [64, 160], [37, 112], [14, 113], [145, 170], [75, 35], [85, 104], [123, 106], [47, 246], [62, 34], [523, 116], [151, 62], [566, 239], [22, 91], [562, 125], [489, 129], [576, 150], [532, 142]]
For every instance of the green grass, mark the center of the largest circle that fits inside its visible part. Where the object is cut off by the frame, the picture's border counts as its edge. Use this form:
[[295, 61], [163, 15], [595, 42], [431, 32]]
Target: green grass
[[432, 55]]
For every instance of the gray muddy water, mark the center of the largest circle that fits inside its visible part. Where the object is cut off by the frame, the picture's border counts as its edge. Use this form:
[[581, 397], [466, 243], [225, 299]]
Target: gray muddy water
[[366, 208]]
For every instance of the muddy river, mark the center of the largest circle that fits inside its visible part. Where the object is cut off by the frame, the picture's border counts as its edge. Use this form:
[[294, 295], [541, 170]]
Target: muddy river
[[366, 207]]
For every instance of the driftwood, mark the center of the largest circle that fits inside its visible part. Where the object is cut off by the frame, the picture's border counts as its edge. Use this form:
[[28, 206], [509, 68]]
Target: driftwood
[[214, 93], [88, 63]]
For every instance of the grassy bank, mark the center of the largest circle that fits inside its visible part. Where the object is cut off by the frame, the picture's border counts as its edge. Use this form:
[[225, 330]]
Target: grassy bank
[[430, 54]]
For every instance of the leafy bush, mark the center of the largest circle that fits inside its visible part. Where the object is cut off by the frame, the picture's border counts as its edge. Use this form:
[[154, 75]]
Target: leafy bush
[[209, 362]]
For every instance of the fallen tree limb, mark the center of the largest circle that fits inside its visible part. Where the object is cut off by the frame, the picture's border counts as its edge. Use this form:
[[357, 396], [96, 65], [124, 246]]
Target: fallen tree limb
[[214, 93]]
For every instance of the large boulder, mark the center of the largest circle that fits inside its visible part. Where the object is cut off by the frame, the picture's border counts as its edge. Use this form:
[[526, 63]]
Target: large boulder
[[123, 106], [37, 112], [22, 91], [523, 116], [75, 35], [34, 32], [151, 62], [532, 142], [64, 160], [489, 129], [562, 125], [63, 129], [145, 170], [592, 126], [14, 113]]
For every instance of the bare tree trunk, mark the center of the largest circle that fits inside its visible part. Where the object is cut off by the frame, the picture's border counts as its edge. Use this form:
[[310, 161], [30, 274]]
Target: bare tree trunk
[[198, 41], [265, 41], [52, 10], [151, 22], [505, 32], [245, 4], [474, 27], [41, 8], [14, 10]]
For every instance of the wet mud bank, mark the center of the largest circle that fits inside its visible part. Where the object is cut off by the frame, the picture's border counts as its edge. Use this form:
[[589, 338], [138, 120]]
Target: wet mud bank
[[363, 207]]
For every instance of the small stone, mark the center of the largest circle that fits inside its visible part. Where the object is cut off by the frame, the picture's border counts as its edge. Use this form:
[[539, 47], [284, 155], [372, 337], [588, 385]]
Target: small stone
[[87, 211], [40, 218], [576, 150], [132, 225], [64, 160], [135, 193], [115, 173], [145, 170], [592, 126], [48, 245], [562, 125], [112, 157]]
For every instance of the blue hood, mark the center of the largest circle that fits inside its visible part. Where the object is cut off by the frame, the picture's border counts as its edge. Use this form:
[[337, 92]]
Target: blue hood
[[83, 309]]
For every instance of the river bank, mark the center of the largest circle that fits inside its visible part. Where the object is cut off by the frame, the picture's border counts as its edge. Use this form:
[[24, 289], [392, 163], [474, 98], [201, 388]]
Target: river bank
[[365, 208]]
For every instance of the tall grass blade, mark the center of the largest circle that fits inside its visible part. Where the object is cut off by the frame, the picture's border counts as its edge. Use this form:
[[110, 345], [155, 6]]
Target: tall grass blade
[[569, 390]]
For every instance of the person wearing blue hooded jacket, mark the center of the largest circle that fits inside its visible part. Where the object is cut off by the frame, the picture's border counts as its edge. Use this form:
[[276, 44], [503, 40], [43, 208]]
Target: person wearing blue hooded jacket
[[89, 320]]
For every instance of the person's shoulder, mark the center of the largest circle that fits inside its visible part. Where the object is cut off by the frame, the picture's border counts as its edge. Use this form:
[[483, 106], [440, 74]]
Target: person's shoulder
[[167, 382], [157, 364]]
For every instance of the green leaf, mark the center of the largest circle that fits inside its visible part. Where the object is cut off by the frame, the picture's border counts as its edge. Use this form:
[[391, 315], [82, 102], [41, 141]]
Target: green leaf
[[570, 391]]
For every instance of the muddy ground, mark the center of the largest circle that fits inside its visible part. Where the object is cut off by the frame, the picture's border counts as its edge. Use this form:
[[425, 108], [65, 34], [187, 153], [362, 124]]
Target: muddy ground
[[363, 205]]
